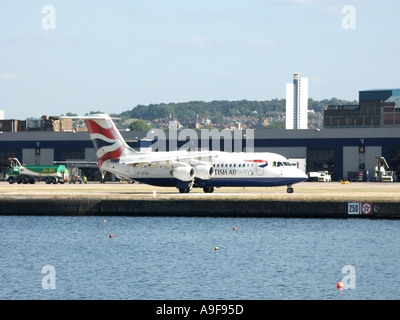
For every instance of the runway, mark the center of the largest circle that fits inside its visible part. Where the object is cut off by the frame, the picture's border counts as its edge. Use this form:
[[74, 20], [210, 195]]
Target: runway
[[305, 191]]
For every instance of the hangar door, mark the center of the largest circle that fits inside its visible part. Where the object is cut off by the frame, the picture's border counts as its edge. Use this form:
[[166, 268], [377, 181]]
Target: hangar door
[[29, 156], [395, 161], [320, 160], [355, 162]]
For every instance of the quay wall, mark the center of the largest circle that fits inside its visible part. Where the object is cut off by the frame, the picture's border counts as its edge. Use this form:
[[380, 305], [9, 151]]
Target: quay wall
[[197, 208]]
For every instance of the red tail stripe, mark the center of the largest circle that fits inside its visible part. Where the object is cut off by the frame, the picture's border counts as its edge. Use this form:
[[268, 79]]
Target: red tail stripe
[[94, 127], [111, 155], [257, 161]]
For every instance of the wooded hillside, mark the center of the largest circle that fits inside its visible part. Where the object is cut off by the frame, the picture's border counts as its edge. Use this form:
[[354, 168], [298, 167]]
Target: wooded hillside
[[250, 114]]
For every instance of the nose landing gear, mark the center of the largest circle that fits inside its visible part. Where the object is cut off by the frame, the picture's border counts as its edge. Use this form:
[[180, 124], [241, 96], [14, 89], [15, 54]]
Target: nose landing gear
[[289, 189]]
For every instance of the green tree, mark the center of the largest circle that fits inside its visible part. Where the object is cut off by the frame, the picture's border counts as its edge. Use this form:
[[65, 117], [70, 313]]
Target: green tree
[[276, 125], [140, 125]]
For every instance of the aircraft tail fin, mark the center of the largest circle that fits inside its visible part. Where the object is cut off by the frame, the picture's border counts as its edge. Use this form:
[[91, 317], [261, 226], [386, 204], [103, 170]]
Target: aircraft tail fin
[[107, 140]]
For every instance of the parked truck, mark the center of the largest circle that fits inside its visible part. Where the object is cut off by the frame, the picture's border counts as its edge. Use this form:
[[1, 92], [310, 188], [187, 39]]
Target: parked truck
[[34, 173], [320, 176]]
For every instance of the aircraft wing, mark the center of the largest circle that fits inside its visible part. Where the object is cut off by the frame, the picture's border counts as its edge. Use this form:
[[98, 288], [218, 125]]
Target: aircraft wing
[[77, 162], [167, 158]]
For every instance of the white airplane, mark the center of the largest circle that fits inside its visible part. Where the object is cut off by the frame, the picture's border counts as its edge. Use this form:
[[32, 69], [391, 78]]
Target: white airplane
[[187, 169]]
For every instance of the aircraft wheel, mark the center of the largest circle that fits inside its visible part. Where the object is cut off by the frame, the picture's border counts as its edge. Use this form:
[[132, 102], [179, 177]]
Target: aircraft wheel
[[290, 190], [208, 189], [184, 190]]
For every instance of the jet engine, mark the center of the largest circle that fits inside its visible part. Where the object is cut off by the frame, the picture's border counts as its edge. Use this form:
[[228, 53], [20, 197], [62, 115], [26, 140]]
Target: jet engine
[[184, 173], [204, 171]]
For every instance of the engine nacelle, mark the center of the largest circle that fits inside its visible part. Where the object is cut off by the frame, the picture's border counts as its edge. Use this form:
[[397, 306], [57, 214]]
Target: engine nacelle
[[204, 171], [184, 173]]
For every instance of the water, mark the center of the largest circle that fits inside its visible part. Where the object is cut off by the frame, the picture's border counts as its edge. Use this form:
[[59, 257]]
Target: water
[[171, 258]]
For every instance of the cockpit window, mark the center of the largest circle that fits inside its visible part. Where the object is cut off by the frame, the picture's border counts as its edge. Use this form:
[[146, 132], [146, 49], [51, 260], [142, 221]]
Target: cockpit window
[[281, 164]]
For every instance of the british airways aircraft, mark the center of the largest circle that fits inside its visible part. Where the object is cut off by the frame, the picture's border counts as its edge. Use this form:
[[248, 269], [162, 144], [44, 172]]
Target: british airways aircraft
[[187, 169]]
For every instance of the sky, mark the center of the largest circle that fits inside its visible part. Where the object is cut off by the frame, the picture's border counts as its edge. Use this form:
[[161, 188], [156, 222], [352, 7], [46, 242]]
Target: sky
[[60, 56]]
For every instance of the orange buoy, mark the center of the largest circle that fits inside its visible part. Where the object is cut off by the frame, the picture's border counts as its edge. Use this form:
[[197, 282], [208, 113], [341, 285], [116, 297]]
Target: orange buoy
[[111, 235], [234, 229], [104, 220], [339, 285]]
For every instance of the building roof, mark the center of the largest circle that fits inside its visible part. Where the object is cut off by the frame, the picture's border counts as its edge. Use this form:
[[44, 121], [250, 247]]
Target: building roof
[[385, 95], [395, 99]]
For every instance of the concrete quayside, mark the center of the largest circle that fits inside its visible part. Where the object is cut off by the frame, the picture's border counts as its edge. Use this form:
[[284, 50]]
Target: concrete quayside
[[309, 200]]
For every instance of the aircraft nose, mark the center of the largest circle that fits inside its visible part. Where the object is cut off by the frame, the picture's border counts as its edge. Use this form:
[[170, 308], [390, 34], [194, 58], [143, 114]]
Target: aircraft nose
[[301, 174]]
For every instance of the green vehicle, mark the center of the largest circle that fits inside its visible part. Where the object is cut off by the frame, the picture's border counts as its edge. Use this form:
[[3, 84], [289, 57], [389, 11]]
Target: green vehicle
[[34, 173]]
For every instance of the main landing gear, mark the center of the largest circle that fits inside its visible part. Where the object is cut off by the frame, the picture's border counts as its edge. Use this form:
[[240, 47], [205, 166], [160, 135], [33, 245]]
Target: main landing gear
[[185, 187], [208, 189], [289, 189], [184, 190]]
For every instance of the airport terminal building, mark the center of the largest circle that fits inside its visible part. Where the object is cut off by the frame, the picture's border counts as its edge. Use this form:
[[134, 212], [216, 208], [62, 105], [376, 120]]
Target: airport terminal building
[[350, 142]]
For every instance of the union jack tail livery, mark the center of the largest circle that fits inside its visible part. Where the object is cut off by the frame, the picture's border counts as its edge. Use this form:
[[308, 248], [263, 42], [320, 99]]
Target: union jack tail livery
[[106, 138]]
